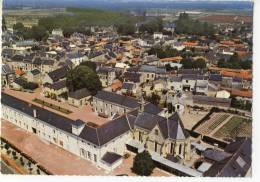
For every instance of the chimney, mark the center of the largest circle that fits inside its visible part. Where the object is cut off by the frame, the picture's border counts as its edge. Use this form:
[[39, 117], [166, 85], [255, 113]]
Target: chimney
[[34, 113], [142, 102]]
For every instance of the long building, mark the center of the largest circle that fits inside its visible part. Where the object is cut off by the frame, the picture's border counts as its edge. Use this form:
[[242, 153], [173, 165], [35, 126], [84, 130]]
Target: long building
[[105, 145]]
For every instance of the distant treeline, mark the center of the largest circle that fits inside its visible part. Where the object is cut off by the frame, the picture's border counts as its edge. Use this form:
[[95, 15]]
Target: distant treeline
[[186, 25]]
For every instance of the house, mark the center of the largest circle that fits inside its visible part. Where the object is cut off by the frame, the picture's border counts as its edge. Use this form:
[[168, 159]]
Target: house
[[79, 97], [106, 75], [55, 89], [76, 58], [132, 76], [174, 84], [149, 72], [202, 87], [223, 94], [178, 105], [34, 76], [57, 32], [56, 75], [8, 75], [108, 104], [18, 83], [129, 88], [157, 35], [178, 46], [189, 82]]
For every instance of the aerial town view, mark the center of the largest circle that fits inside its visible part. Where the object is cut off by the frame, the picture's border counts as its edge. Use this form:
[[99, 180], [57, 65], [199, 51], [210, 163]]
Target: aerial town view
[[127, 88]]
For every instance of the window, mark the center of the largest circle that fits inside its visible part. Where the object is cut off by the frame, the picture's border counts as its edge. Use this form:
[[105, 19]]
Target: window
[[187, 81], [61, 143], [95, 157], [180, 149], [53, 130], [89, 155], [171, 150], [156, 132]]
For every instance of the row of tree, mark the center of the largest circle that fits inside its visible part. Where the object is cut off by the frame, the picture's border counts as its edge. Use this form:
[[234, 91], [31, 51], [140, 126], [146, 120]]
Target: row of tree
[[235, 62], [186, 25], [36, 32], [163, 52]]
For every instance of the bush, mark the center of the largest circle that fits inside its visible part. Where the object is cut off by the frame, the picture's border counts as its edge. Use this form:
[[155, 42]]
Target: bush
[[143, 164], [127, 155], [8, 152], [7, 146]]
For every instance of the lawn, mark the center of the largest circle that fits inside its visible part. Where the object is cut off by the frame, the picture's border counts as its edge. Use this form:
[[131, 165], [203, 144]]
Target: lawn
[[52, 106], [236, 126]]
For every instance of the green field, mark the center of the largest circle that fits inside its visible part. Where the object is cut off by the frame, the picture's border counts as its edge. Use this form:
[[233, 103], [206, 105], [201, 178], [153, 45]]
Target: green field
[[236, 126]]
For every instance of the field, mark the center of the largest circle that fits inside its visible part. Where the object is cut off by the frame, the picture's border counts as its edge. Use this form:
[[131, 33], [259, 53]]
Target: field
[[29, 17], [235, 127], [216, 119], [69, 17], [217, 18]]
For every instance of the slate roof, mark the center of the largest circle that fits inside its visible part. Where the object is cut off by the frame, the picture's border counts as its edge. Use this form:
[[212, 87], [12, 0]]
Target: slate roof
[[56, 85], [197, 99], [175, 128], [215, 155], [6, 70], [132, 76], [152, 69], [191, 72], [111, 157], [104, 69], [172, 128], [79, 94], [189, 77], [125, 101], [35, 71], [175, 79], [106, 132], [215, 77], [128, 86], [112, 129], [58, 73], [49, 117], [20, 81], [238, 164]]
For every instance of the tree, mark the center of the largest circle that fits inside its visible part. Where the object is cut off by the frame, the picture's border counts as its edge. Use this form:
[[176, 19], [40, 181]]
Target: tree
[[89, 64], [19, 30], [154, 98], [38, 33], [4, 28], [126, 28], [83, 77], [143, 164]]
